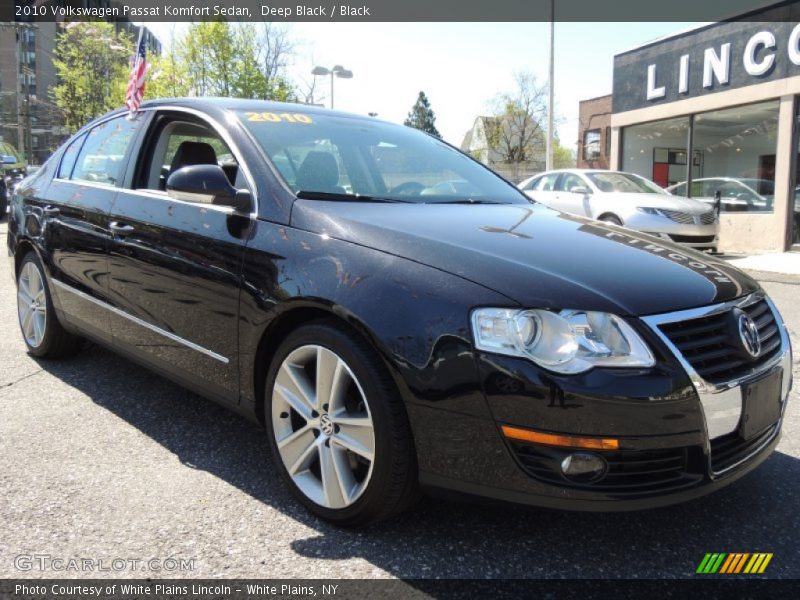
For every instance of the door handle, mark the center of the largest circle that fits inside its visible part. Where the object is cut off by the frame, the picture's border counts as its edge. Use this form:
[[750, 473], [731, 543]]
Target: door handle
[[51, 211], [120, 228]]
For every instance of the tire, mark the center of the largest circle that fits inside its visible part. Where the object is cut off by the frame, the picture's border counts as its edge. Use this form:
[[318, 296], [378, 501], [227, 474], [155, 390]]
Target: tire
[[611, 219], [41, 331], [318, 448]]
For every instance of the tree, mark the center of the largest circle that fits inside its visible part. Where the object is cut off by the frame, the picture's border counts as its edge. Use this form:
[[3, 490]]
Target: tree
[[168, 76], [516, 133], [217, 58], [422, 116], [563, 158], [92, 63]]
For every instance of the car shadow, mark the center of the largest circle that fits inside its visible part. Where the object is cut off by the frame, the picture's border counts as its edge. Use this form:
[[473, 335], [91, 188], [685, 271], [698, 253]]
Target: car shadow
[[445, 539]]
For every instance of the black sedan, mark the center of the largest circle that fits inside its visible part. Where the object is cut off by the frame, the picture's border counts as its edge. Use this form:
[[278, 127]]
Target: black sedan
[[319, 273]]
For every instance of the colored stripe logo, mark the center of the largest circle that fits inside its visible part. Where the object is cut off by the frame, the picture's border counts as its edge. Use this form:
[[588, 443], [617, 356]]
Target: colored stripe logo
[[732, 563]]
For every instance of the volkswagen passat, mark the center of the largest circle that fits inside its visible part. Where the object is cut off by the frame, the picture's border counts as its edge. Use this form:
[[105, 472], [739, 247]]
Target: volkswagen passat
[[627, 199], [316, 272]]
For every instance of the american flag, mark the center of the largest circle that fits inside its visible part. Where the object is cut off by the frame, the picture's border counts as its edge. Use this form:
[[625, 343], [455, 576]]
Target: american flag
[[133, 97]]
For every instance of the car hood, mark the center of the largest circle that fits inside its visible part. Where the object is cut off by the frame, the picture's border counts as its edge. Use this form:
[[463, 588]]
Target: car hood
[[687, 205], [535, 256]]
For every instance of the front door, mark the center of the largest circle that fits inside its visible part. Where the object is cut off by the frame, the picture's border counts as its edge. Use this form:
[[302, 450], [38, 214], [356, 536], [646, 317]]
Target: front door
[[175, 264]]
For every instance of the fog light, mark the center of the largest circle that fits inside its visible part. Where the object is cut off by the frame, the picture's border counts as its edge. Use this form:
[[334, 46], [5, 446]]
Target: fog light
[[583, 467]]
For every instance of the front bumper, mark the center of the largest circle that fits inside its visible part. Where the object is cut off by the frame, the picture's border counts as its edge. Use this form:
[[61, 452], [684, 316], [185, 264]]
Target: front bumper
[[698, 236], [679, 435]]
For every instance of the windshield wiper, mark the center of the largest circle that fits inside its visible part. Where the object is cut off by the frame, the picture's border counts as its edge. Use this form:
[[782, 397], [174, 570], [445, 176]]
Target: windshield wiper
[[344, 197], [466, 201]]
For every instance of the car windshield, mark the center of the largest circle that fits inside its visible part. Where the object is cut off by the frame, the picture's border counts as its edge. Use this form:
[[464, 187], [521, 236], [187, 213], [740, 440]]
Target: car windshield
[[323, 156], [624, 183]]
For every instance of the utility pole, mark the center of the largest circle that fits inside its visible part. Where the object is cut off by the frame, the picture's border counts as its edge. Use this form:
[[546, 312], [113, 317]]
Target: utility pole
[[18, 89], [549, 155]]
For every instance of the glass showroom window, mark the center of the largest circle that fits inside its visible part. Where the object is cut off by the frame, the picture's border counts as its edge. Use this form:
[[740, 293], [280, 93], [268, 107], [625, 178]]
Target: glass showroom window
[[591, 145], [657, 151], [736, 148]]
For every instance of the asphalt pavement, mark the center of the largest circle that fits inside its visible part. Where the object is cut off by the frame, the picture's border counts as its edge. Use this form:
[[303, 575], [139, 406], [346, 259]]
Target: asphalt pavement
[[102, 460]]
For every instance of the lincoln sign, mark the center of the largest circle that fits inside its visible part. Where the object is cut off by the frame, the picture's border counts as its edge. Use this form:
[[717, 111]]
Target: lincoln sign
[[710, 59]]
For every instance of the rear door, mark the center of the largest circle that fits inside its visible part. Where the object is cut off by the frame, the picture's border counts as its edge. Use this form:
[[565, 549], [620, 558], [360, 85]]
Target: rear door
[[75, 220], [175, 264]]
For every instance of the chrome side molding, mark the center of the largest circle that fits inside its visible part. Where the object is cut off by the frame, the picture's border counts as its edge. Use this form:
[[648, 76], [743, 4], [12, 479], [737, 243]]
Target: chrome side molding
[[142, 323]]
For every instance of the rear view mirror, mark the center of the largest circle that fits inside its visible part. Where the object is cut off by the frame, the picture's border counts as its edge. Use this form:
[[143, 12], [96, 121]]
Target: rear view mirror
[[580, 189], [207, 184]]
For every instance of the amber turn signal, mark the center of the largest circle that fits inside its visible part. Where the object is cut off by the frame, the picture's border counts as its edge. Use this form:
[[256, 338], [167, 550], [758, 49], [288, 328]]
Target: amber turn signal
[[565, 441]]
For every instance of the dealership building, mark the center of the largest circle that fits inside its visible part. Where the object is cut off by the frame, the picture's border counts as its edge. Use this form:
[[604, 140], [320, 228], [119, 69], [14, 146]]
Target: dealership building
[[713, 112]]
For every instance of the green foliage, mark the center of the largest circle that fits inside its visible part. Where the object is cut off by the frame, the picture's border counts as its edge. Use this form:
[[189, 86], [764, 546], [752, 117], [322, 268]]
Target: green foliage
[[92, 64], [422, 116], [563, 158], [167, 76], [217, 58]]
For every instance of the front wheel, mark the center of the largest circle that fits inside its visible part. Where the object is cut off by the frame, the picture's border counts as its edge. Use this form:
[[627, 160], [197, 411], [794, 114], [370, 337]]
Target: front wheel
[[337, 427], [611, 219], [43, 334]]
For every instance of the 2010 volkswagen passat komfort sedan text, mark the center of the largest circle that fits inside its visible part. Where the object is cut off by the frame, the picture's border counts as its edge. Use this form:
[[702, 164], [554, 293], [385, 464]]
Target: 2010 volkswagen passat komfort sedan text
[[395, 314]]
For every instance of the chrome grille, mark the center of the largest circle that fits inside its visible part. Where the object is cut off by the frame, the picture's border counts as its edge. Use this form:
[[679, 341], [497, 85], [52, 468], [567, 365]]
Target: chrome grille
[[678, 216], [714, 351], [707, 218]]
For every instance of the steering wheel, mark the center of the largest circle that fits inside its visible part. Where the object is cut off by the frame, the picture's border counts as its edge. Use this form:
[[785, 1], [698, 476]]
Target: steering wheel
[[409, 188]]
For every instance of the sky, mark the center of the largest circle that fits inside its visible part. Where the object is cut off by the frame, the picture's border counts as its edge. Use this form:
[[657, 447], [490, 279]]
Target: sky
[[460, 66]]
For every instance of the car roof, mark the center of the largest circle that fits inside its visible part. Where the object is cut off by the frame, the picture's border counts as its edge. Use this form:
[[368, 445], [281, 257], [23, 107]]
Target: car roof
[[247, 104], [584, 171]]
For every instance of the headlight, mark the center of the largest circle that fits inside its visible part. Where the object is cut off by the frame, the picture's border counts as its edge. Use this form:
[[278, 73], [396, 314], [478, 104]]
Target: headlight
[[647, 210], [571, 341]]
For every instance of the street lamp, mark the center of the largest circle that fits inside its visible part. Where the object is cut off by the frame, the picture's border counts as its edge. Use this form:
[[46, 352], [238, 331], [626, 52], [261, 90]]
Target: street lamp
[[337, 71]]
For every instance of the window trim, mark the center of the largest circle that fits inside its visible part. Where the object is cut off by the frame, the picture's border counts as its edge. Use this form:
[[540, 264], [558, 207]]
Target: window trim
[[210, 121]]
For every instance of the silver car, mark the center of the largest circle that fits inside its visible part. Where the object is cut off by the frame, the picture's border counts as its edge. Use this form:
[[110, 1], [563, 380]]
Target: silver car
[[627, 199]]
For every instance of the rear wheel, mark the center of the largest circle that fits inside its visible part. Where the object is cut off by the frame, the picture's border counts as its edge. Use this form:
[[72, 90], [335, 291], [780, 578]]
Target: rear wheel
[[337, 427], [43, 334]]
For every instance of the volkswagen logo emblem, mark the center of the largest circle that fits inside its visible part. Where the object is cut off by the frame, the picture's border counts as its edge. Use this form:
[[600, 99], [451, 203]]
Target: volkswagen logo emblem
[[748, 333], [325, 424]]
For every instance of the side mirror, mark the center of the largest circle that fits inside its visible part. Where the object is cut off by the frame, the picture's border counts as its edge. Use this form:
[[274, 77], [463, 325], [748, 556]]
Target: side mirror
[[207, 184], [580, 189]]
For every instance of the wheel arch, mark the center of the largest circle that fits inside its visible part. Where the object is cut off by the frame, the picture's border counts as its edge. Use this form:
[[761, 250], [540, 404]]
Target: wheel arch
[[609, 213], [289, 320], [23, 246]]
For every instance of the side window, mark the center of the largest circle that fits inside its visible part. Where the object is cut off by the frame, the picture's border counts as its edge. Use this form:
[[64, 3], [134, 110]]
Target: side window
[[569, 181], [100, 159], [547, 183], [69, 158], [532, 184], [181, 144], [679, 190]]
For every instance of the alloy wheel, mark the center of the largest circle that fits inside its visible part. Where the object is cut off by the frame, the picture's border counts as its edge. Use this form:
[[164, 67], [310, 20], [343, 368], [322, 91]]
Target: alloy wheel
[[323, 427], [32, 304]]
